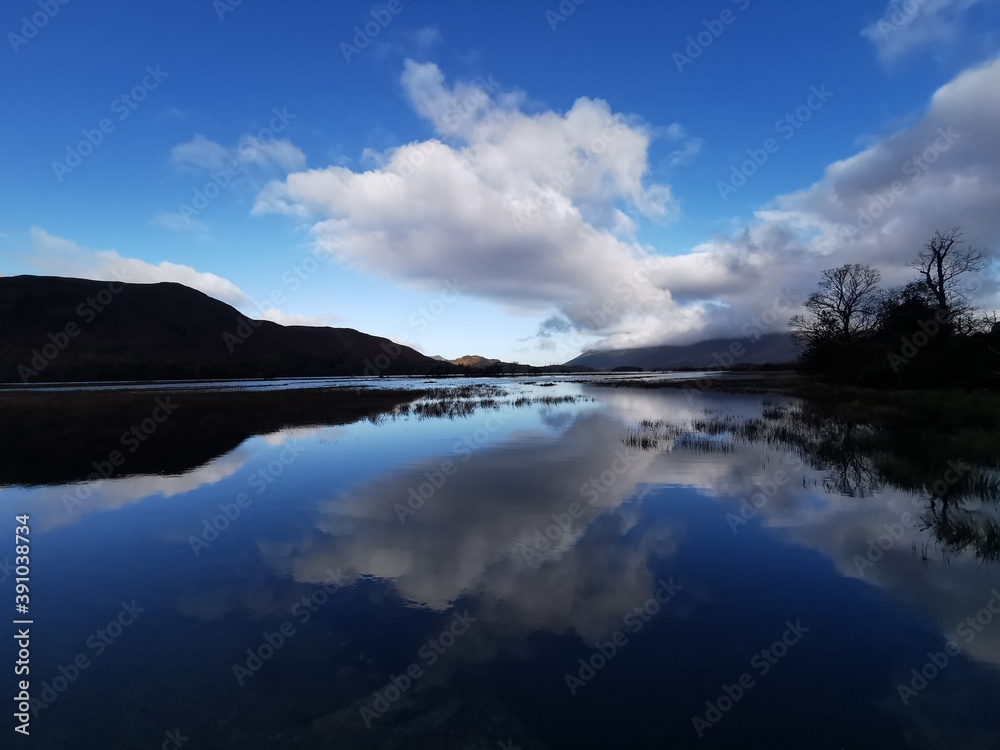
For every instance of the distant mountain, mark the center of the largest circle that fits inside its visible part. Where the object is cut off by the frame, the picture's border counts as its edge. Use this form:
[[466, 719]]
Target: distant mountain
[[58, 329], [489, 366], [475, 361], [771, 348]]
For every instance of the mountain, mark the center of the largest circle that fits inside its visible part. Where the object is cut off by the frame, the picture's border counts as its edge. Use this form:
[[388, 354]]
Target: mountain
[[771, 348], [475, 361], [59, 329]]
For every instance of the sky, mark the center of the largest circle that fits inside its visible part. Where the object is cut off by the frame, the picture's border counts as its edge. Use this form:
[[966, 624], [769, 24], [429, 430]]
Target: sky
[[521, 180]]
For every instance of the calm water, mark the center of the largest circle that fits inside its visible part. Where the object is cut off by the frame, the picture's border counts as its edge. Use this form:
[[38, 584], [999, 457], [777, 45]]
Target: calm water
[[517, 578]]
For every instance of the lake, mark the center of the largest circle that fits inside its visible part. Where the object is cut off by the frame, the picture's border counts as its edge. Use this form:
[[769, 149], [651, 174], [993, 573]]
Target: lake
[[559, 565]]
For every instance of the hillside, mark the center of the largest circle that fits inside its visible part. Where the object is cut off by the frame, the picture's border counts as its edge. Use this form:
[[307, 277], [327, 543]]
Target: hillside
[[772, 348], [475, 361], [59, 329]]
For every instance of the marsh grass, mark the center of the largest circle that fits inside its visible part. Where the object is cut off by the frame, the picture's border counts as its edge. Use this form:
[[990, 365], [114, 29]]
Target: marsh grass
[[773, 412], [554, 400], [868, 442], [652, 435], [455, 403]]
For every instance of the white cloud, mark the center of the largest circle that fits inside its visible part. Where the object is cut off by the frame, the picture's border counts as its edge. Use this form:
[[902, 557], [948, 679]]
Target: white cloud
[[61, 257], [285, 319], [202, 154], [688, 147], [281, 154], [425, 38], [178, 222], [906, 27], [56, 256], [461, 205]]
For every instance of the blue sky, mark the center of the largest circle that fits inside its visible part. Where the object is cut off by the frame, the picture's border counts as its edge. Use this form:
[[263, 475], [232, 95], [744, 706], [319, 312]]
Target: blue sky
[[478, 90]]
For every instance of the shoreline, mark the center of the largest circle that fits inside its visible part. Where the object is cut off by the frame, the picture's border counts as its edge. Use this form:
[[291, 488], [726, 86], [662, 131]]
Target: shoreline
[[785, 382]]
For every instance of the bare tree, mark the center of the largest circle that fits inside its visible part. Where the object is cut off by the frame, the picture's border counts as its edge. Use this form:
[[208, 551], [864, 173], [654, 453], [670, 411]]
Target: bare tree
[[845, 307], [941, 264]]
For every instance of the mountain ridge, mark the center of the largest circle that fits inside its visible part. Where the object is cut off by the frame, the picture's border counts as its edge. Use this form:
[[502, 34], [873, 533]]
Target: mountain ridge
[[770, 348], [59, 329]]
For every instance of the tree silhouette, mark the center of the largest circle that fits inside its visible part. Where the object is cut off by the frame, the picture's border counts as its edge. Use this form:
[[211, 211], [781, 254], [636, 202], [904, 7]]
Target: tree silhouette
[[941, 265], [845, 307]]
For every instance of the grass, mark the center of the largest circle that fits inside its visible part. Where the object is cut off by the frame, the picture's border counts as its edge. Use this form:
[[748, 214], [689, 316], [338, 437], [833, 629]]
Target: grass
[[467, 400], [652, 435]]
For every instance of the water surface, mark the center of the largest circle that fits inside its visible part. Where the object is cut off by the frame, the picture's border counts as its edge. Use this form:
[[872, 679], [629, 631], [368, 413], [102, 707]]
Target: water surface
[[525, 576]]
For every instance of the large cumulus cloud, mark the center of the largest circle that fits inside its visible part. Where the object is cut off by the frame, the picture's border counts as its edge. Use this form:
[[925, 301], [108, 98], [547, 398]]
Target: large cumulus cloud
[[532, 210]]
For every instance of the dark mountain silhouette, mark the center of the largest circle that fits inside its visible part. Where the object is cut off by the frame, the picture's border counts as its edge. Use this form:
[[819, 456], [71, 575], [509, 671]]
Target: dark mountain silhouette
[[771, 348], [59, 329]]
